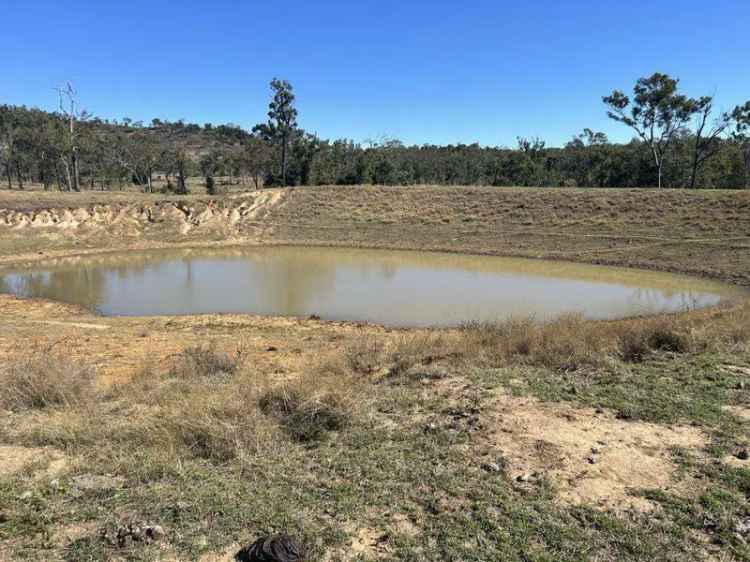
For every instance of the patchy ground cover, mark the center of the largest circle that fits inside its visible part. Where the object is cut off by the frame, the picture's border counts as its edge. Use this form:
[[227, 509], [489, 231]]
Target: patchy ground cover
[[184, 438]]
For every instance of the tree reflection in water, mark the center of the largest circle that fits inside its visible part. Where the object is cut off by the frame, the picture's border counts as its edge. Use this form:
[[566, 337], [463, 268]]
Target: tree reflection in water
[[397, 288]]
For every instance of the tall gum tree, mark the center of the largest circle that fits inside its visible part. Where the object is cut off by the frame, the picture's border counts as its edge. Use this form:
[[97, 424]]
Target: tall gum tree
[[656, 113], [282, 121], [741, 135]]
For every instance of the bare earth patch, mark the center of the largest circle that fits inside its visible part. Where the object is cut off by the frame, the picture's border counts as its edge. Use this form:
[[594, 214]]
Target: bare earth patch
[[592, 458], [15, 459], [742, 412]]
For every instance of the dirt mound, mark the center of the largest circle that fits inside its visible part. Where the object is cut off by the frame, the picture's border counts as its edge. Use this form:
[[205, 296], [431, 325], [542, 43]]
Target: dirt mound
[[590, 456]]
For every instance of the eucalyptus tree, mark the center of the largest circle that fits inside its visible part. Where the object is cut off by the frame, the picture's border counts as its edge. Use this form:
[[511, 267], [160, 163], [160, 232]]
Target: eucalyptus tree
[[257, 159], [138, 152], [281, 127], [656, 113], [707, 136], [8, 127], [741, 135]]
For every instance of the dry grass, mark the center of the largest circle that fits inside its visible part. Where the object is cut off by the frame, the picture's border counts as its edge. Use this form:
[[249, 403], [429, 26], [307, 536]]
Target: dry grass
[[205, 361], [571, 342], [195, 414], [370, 410], [46, 380], [309, 407], [565, 343]]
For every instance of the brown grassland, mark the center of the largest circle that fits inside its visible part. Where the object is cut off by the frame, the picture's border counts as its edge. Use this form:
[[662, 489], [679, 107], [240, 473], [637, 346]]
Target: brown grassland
[[515, 440]]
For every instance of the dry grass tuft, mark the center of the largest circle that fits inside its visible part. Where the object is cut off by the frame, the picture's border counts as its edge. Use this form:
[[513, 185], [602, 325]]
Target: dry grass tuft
[[205, 361], [46, 380], [365, 354], [308, 407], [637, 339], [565, 344], [394, 356]]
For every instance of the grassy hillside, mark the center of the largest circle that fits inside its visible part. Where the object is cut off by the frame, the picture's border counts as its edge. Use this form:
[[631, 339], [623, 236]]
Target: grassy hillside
[[699, 232]]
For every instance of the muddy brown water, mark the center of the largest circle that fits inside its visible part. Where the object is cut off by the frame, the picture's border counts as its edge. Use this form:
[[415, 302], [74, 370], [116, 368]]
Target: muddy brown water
[[395, 288]]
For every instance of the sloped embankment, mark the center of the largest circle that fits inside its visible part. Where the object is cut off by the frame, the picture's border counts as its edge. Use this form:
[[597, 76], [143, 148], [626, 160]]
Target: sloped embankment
[[165, 219], [704, 233]]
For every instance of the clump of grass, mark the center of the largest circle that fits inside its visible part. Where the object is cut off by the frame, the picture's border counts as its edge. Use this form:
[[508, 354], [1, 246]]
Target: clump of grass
[[46, 380], [566, 343], [639, 338], [420, 348], [308, 407], [205, 361], [365, 354], [219, 426], [369, 354]]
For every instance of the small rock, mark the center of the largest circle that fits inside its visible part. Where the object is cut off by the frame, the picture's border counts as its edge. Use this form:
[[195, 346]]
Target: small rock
[[593, 459], [599, 410], [130, 533], [153, 533], [279, 548], [28, 494], [272, 348], [595, 450], [491, 467], [523, 477], [740, 385], [743, 454], [742, 527], [97, 481]]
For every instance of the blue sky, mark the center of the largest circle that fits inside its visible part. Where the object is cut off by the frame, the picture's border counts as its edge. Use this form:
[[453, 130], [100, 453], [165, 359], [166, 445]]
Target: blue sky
[[422, 71]]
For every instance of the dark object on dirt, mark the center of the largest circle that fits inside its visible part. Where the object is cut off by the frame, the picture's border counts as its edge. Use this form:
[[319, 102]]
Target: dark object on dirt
[[314, 317], [125, 535], [491, 467], [272, 348], [743, 454], [278, 548]]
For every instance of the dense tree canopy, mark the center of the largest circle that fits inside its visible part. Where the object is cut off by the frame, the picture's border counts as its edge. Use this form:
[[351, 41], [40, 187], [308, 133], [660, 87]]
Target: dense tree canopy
[[679, 142]]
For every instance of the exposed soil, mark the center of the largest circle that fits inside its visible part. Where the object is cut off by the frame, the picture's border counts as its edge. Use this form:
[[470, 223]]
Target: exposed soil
[[590, 457]]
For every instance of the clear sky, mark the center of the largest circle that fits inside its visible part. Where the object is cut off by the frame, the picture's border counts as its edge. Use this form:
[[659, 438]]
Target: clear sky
[[423, 71]]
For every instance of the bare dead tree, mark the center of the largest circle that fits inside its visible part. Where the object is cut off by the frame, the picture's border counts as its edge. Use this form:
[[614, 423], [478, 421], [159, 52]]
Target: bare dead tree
[[71, 156]]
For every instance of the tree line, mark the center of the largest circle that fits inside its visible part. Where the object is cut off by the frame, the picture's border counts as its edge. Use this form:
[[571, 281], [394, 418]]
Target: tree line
[[678, 141]]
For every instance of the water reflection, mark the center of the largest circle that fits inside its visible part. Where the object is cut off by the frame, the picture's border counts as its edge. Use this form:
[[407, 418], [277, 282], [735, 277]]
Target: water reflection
[[394, 288]]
